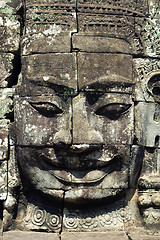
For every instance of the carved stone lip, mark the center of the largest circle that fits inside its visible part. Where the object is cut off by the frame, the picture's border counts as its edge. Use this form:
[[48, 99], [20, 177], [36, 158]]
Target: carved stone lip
[[77, 162], [78, 178], [82, 176]]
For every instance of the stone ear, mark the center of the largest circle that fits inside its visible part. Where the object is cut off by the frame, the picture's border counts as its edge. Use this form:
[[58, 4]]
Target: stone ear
[[153, 85]]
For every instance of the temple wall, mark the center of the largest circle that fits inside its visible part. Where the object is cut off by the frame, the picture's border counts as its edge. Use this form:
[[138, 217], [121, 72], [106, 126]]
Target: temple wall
[[80, 119]]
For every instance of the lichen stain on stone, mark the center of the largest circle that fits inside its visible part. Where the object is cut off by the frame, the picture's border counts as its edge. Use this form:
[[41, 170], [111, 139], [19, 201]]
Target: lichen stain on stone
[[65, 76], [45, 78], [4, 3], [52, 30]]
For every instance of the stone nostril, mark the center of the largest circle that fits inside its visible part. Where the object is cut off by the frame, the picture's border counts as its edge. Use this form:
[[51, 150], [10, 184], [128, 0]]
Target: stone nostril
[[62, 137], [89, 137]]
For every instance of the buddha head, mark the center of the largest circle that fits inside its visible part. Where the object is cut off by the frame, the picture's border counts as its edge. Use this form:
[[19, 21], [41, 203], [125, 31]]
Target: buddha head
[[75, 109]]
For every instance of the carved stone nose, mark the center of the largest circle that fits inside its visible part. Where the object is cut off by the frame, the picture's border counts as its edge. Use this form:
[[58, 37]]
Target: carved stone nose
[[84, 133]]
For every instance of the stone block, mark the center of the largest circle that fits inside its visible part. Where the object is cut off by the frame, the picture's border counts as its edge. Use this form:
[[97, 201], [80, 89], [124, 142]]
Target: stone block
[[105, 24], [148, 31], [46, 74], [52, 40], [40, 117], [135, 165], [106, 190], [4, 139], [49, 26], [110, 26], [39, 219], [1, 217], [151, 218], [10, 6], [3, 180], [103, 68], [6, 96], [98, 219], [110, 7], [44, 5], [147, 79], [13, 172], [149, 162], [3, 144], [49, 181], [154, 9], [6, 68], [149, 198], [147, 127], [10, 33], [149, 182], [22, 235], [135, 236], [91, 43], [94, 236], [94, 124], [150, 165]]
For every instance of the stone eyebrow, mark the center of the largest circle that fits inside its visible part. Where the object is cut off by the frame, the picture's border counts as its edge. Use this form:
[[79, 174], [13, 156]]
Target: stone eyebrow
[[120, 87]]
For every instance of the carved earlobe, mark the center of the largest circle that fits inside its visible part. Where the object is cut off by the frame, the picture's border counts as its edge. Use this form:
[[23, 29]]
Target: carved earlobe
[[153, 85]]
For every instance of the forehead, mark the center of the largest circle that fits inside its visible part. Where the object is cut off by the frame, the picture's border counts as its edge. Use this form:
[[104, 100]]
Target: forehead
[[76, 72]]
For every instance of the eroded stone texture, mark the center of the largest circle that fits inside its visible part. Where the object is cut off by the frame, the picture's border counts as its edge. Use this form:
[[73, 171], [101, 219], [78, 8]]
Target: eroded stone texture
[[10, 22], [39, 219], [137, 236], [10, 6], [149, 202], [120, 28], [91, 128], [148, 30], [19, 235], [13, 180], [147, 74], [6, 69], [48, 74], [113, 7], [92, 43], [4, 140], [150, 162], [89, 220], [37, 129], [10, 33], [147, 124], [3, 180], [100, 68], [96, 236], [6, 96], [154, 9], [49, 26], [86, 116]]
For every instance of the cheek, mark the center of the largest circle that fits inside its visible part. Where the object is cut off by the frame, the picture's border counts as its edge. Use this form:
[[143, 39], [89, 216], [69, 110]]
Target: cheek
[[35, 172], [116, 132], [34, 129]]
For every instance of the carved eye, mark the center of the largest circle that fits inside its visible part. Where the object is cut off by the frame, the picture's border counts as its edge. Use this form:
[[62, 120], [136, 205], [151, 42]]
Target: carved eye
[[113, 111], [46, 109]]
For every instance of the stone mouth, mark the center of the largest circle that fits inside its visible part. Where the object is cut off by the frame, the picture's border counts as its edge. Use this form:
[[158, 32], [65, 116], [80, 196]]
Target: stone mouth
[[81, 175], [93, 159]]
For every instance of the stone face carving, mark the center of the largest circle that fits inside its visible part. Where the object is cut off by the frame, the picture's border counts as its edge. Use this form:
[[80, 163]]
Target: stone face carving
[[85, 131], [92, 129]]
